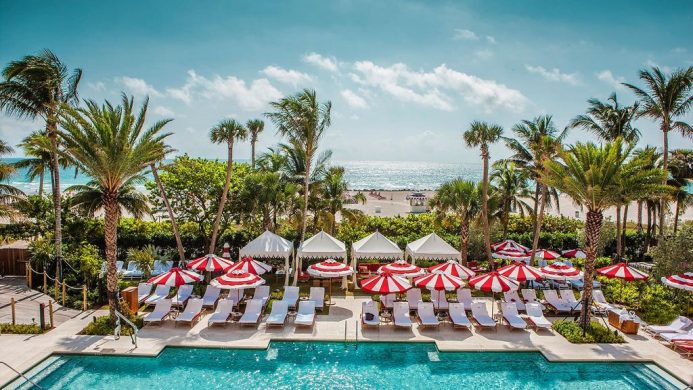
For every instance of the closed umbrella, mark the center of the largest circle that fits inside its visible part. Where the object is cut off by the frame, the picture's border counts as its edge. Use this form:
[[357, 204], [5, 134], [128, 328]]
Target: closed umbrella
[[385, 283], [236, 280], [452, 268], [403, 269], [493, 282], [330, 268], [520, 272], [226, 253], [250, 265]]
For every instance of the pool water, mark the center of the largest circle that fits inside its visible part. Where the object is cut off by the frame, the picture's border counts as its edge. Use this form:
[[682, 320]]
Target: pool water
[[302, 365]]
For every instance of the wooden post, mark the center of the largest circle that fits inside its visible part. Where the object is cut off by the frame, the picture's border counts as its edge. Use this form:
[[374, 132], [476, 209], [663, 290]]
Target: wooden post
[[64, 294], [28, 274], [57, 289], [84, 298], [50, 312], [14, 319], [45, 283]]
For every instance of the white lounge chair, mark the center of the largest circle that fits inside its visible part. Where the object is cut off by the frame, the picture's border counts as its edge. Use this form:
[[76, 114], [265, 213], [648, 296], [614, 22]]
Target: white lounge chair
[[440, 302], [530, 296], [559, 305], [401, 315], [160, 293], [182, 295], [370, 307], [458, 315], [211, 296], [535, 316], [192, 312], [480, 316], [165, 266], [262, 293], [569, 296], [306, 314], [291, 296], [677, 336], [156, 268], [387, 301], [119, 266], [277, 316], [253, 313], [143, 291], [513, 297], [161, 311], [511, 316], [464, 295], [427, 318], [600, 305], [413, 298], [133, 271], [235, 296], [317, 295], [679, 325], [221, 315]]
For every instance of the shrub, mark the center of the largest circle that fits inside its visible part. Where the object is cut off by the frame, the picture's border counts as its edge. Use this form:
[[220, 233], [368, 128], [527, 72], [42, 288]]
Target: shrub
[[596, 333], [101, 326], [657, 304], [20, 329]]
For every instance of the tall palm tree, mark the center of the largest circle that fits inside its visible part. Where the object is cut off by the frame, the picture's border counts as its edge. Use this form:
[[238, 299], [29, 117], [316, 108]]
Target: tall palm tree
[[38, 150], [681, 171], [303, 120], [511, 187], [593, 177], [227, 131], [333, 189], [481, 134], [255, 127], [38, 86], [463, 199], [666, 98], [111, 145], [169, 210]]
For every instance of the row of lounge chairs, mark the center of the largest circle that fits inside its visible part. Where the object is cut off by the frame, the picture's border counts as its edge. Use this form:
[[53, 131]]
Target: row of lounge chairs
[[678, 335], [133, 269]]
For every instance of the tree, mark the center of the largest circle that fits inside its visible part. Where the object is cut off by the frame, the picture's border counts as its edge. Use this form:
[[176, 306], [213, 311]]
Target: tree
[[681, 173], [8, 193], [593, 177], [110, 144], [332, 190], [511, 187], [38, 86], [666, 98], [463, 199], [169, 211], [255, 127], [38, 150], [481, 134], [303, 120], [227, 131]]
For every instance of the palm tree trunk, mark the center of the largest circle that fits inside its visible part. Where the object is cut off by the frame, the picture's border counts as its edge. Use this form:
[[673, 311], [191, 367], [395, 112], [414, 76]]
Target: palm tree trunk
[[640, 216], [537, 224], [506, 217], [676, 216], [252, 153], [224, 195], [52, 130], [464, 240], [623, 230], [171, 215], [306, 182], [484, 205], [111, 238], [593, 229], [665, 168], [618, 231]]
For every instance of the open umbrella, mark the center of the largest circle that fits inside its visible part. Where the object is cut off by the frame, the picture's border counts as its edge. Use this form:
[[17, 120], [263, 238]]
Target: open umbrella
[[574, 254], [250, 265], [439, 281], [385, 283], [330, 268], [210, 263], [511, 254], [622, 271], [403, 269], [520, 272], [509, 244], [681, 281], [493, 282], [452, 268], [237, 279], [176, 277], [560, 271], [546, 254]]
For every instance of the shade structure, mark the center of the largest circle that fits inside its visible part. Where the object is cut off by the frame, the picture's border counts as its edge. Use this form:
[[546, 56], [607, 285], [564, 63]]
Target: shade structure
[[682, 281], [546, 254], [510, 254], [270, 246], [374, 246], [210, 263], [320, 246], [176, 277], [226, 253], [403, 269], [237, 280], [493, 282], [574, 254], [250, 265], [560, 271], [509, 245], [622, 271], [439, 281], [330, 268], [385, 283], [431, 247], [452, 268], [520, 272]]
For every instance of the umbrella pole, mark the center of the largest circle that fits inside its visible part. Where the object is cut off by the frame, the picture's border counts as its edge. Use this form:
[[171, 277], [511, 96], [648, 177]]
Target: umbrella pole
[[330, 304]]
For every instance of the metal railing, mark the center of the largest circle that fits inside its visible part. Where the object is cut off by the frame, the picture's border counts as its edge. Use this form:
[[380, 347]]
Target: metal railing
[[21, 375], [116, 331]]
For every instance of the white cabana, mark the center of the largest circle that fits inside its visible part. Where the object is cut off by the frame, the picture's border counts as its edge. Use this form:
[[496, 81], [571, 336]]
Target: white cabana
[[270, 246], [374, 246], [320, 246], [431, 247]]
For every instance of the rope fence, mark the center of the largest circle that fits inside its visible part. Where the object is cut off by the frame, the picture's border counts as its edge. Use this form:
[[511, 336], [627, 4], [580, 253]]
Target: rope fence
[[60, 289]]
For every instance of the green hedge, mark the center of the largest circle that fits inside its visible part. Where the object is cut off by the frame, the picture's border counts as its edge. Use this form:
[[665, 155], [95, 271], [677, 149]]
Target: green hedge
[[596, 333], [20, 329]]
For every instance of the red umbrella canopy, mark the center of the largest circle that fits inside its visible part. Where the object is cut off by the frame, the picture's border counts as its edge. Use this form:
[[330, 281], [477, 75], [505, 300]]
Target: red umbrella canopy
[[403, 269], [560, 271], [574, 253], [520, 272], [682, 281], [211, 263], [439, 281], [452, 268], [236, 280], [622, 271], [176, 277], [385, 283], [493, 282], [510, 254], [250, 265], [330, 268], [546, 254], [509, 245]]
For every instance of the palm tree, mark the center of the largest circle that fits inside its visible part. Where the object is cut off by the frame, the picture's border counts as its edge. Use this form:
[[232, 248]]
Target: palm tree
[[332, 191], [511, 188], [666, 98], [255, 127], [482, 134], [609, 120], [593, 177], [463, 199], [536, 142], [227, 131], [303, 120], [8, 193], [38, 150], [110, 144], [38, 86], [681, 171]]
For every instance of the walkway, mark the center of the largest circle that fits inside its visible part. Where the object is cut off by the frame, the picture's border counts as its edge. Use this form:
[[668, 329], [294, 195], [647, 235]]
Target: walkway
[[28, 301]]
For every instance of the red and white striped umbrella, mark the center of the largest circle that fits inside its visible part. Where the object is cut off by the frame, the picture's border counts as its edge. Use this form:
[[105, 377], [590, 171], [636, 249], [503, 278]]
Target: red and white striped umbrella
[[509, 245], [574, 254], [403, 269], [250, 265], [510, 254], [226, 253], [683, 281], [210, 263], [176, 277], [330, 268], [452, 268], [622, 271], [560, 271], [493, 282], [236, 280], [439, 281], [520, 272], [546, 254], [385, 283]]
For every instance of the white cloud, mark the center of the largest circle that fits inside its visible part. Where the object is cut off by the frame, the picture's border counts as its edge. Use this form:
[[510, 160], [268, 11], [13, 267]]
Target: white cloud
[[353, 100], [491, 39], [287, 76], [664, 68], [138, 87], [609, 78], [679, 50], [163, 111], [98, 86], [483, 54], [465, 35], [327, 63], [554, 74]]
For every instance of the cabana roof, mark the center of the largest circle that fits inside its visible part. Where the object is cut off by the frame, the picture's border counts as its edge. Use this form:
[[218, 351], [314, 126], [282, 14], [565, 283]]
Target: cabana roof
[[375, 246], [268, 245], [322, 245], [432, 247]]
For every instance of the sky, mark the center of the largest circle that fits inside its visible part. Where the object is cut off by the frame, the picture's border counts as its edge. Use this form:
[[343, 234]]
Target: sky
[[405, 78]]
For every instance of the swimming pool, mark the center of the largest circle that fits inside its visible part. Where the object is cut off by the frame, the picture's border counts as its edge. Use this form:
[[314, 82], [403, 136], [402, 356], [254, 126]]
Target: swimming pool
[[322, 365]]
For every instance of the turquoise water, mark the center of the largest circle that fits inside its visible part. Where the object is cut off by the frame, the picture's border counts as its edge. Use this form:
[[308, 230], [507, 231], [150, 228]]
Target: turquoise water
[[301, 365]]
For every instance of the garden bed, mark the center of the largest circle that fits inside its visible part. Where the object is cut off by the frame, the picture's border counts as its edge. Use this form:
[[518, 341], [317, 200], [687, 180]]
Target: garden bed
[[596, 334]]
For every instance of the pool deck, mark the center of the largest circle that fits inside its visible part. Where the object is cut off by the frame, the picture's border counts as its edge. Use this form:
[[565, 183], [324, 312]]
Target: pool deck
[[24, 351]]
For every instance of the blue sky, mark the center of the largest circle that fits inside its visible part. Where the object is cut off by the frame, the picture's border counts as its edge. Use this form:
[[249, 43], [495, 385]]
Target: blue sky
[[405, 78]]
